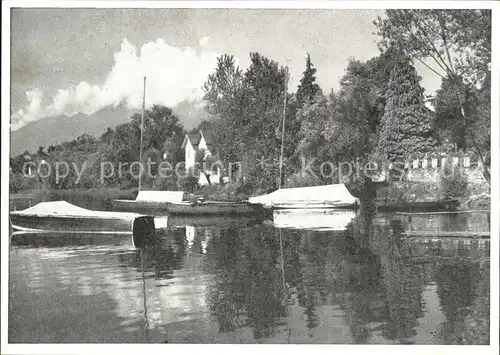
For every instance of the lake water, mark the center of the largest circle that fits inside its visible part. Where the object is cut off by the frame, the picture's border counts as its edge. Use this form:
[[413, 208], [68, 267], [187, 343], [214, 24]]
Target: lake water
[[349, 278]]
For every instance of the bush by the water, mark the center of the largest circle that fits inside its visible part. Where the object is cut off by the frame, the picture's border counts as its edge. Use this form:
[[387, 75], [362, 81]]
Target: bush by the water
[[188, 184], [403, 191], [301, 180], [223, 192]]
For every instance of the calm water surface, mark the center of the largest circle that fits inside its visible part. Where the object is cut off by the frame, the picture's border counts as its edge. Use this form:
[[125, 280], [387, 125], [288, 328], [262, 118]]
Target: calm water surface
[[360, 281]]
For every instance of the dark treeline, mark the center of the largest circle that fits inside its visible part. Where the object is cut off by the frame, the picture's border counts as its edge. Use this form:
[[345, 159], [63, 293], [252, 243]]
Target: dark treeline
[[379, 113]]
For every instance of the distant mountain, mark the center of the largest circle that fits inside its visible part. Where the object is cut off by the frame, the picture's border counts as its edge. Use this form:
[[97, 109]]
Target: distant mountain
[[190, 113], [62, 128], [57, 129]]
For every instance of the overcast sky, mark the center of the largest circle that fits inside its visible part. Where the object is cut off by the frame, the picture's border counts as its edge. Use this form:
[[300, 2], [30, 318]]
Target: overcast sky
[[71, 60]]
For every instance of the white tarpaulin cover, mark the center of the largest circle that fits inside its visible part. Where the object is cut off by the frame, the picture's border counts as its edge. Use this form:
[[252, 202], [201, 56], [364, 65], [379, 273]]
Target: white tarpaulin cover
[[333, 220], [336, 193], [160, 196], [66, 209]]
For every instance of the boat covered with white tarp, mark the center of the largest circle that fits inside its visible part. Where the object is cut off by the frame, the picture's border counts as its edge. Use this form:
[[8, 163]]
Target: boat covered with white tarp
[[61, 216], [312, 197]]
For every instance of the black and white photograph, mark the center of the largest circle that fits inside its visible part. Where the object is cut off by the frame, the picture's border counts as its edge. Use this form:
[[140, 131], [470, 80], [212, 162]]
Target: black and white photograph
[[315, 173]]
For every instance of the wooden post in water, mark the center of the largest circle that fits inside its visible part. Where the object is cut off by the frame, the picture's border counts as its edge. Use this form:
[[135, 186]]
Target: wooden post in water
[[142, 132]]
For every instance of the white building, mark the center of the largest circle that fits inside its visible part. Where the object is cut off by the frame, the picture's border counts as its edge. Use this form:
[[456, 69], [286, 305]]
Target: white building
[[202, 141]]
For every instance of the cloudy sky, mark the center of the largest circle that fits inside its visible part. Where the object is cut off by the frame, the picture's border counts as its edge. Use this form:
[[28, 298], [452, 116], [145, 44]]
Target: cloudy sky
[[80, 60]]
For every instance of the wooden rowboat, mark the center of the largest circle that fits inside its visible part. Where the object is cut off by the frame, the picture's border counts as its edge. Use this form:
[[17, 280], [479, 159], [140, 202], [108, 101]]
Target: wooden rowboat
[[315, 205], [213, 208], [148, 202], [188, 208], [63, 217], [153, 207], [444, 205]]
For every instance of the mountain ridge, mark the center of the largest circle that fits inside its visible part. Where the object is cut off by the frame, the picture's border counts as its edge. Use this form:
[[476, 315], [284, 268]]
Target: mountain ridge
[[57, 129]]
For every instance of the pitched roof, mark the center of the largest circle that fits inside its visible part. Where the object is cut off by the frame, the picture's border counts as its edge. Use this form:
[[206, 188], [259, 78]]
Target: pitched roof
[[209, 136], [195, 138]]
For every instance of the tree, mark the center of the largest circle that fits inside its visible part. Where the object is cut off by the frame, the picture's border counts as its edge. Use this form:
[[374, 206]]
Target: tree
[[223, 96], [476, 105], [456, 42], [163, 134], [451, 126], [160, 123], [345, 125], [314, 118], [407, 125], [308, 89], [247, 111]]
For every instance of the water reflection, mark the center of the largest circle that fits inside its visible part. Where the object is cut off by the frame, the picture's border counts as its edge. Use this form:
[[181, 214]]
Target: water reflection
[[248, 283]]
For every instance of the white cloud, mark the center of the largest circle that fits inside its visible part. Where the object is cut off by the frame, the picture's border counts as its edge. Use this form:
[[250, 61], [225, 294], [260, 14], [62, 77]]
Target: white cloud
[[32, 110], [173, 75]]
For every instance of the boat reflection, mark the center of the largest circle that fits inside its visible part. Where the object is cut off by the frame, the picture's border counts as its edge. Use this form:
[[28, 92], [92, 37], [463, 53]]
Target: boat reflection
[[65, 239], [180, 221], [314, 220]]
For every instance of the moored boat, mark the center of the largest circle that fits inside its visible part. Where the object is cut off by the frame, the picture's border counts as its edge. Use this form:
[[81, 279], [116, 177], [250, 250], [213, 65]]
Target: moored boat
[[61, 216], [213, 208], [403, 206], [149, 202], [313, 197]]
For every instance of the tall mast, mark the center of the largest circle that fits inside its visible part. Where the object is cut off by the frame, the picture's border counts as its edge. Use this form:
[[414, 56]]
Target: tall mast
[[142, 131], [283, 130]]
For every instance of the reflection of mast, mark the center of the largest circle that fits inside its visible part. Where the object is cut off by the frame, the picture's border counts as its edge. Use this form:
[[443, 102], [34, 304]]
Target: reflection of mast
[[146, 326], [285, 293]]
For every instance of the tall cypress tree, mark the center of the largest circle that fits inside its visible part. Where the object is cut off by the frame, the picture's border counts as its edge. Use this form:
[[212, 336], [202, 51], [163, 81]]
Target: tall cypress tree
[[308, 89], [408, 127]]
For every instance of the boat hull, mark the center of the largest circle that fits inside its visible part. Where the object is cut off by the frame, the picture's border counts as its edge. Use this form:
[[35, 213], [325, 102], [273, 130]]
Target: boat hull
[[61, 217], [449, 205], [140, 206], [313, 206], [216, 208], [70, 224], [213, 208]]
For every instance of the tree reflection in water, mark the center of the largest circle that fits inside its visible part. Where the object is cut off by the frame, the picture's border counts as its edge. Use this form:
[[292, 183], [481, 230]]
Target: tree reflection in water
[[246, 290], [369, 273], [458, 285]]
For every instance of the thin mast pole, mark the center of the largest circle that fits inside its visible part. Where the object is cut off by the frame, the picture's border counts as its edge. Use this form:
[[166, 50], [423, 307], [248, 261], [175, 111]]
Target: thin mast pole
[[142, 131], [283, 130]]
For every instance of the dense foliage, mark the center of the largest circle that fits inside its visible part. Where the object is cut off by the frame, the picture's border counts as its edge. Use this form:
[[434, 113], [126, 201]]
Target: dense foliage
[[456, 46], [408, 127]]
